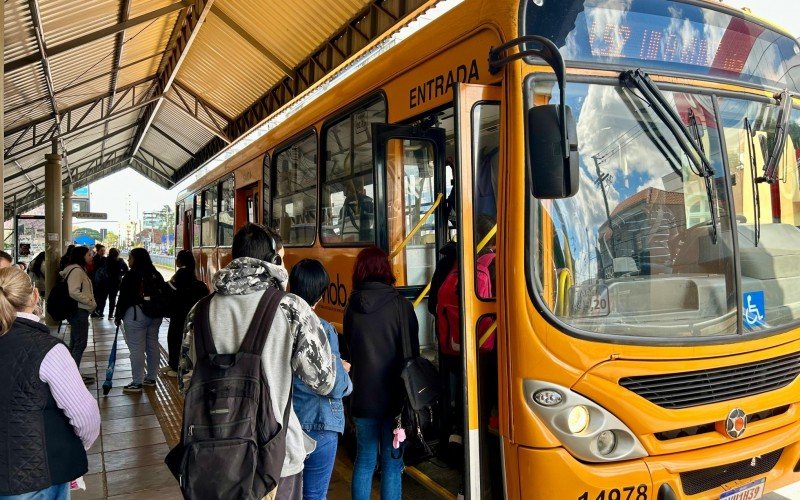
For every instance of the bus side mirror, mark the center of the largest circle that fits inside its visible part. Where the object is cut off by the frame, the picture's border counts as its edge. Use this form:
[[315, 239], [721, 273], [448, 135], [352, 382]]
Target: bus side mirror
[[552, 157]]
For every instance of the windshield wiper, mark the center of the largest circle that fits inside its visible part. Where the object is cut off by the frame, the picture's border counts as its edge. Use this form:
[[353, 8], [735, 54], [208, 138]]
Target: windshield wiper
[[707, 179], [751, 150], [691, 146], [781, 131]]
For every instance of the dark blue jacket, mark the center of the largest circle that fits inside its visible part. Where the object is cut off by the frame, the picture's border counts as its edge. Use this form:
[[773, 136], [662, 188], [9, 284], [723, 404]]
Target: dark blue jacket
[[323, 413]]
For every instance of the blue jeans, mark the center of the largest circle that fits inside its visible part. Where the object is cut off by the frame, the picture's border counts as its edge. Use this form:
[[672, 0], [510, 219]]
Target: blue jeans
[[318, 466], [141, 335], [55, 492], [373, 434]]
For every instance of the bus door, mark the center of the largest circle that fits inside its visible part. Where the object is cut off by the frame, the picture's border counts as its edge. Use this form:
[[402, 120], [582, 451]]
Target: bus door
[[477, 123], [409, 167]]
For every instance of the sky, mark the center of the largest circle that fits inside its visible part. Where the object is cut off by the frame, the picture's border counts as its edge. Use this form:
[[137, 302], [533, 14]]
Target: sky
[[111, 194], [784, 13]]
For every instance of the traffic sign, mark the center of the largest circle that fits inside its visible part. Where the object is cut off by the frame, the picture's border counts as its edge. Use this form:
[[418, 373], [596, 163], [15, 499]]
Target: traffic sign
[[90, 215]]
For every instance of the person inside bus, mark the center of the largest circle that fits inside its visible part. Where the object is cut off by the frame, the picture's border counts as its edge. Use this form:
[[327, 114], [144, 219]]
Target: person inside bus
[[184, 292], [321, 416], [49, 418], [80, 290], [373, 331], [297, 343]]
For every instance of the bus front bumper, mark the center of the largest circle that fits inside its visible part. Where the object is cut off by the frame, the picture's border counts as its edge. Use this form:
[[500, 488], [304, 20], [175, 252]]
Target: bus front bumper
[[774, 455]]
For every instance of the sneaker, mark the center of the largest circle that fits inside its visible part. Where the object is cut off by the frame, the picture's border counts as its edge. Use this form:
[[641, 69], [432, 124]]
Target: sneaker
[[132, 388], [171, 373], [149, 382]]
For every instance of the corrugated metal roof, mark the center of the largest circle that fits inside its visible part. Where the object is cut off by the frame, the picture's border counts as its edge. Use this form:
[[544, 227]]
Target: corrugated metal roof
[[291, 29], [230, 64], [226, 70]]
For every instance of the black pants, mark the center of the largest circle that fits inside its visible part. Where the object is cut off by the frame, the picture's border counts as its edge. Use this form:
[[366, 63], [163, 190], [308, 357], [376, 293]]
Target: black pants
[[78, 334], [112, 301], [452, 402], [100, 296], [174, 340]]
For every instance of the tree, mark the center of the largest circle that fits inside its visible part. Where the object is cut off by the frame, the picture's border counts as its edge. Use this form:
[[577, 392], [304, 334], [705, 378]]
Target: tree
[[112, 239]]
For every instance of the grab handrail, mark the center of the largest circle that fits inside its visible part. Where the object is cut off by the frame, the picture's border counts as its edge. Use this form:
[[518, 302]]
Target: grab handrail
[[417, 227]]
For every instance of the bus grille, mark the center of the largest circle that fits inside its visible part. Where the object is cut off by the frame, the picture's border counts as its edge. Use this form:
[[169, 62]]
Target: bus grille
[[683, 390], [698, 481]]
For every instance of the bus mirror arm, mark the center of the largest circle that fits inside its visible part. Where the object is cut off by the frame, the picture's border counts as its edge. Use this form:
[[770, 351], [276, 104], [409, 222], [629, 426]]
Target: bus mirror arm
[[551, 132]]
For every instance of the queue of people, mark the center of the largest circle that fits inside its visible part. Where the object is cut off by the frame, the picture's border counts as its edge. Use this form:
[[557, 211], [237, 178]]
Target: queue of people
[[303, 371]]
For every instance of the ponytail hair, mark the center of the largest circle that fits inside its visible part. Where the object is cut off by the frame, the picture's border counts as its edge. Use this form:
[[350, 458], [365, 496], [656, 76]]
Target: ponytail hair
[[16, 292]]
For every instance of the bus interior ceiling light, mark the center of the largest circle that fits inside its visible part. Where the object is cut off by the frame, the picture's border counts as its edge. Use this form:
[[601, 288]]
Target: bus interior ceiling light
[[436, 11]]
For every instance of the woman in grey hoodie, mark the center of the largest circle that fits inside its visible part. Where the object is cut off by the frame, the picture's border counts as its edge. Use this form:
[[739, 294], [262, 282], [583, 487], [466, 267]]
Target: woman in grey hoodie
[[80, 289]]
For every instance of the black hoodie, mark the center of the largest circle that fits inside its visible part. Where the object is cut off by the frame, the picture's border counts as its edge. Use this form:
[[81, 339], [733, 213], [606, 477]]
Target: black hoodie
[[372, 332]]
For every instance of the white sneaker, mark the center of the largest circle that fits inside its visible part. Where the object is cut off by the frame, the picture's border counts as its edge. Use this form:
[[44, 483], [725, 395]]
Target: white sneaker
[[171, 373]]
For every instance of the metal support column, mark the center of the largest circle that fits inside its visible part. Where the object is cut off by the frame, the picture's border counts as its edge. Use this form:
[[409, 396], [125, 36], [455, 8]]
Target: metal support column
[[66, 219], [52, 220]]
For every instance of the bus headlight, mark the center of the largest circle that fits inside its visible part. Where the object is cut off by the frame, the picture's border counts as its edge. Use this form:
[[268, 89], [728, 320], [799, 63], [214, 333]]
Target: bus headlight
[[606, 442], [578, 419], [585, 429]]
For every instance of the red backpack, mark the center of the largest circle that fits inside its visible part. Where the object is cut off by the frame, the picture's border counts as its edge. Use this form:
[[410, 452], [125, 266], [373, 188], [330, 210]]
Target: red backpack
[[448, 310]]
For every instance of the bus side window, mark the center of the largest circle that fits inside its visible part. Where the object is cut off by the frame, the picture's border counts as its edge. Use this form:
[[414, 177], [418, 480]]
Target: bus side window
[[486, 157], [348, 192], [294, 206]]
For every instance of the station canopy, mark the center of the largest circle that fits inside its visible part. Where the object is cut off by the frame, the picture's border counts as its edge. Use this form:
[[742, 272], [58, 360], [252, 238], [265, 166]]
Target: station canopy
[[161, 86]]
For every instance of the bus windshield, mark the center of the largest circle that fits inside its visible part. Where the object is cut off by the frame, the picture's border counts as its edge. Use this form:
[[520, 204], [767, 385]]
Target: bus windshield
[[635, 251], [678, 37]]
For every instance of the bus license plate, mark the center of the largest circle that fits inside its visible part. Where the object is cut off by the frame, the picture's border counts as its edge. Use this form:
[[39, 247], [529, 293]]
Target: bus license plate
[[750, 491]]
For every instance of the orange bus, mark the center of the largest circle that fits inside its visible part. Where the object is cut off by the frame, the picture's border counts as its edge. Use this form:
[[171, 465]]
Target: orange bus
[[635, 163]]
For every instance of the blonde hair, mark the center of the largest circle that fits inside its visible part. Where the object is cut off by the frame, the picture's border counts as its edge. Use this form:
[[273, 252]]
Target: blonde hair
[[16, 292]]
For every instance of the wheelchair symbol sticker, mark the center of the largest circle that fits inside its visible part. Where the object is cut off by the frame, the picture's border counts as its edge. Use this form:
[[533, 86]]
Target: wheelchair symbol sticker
[[754, 310]]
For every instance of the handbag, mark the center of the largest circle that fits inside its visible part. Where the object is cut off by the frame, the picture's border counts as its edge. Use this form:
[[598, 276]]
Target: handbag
[[421, 383]]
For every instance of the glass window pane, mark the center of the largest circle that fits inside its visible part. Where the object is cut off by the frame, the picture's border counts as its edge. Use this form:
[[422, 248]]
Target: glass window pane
[[486, 151], [348, 207], [633, 252], [208, 231], [295, 217], [294, 210], [267, 169], [349, 213], [210, 201], [227, 196], [410, 166], [198, 210], [767, 215]]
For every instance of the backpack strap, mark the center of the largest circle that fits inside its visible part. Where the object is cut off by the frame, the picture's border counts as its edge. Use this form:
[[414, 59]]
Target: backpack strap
[[405, 333], [261, 324], [203, 343]]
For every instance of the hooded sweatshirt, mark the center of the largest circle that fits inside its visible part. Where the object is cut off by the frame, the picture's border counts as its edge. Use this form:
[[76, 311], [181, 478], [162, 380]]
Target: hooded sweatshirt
[[80, 286], [372, 331], [297, 343]]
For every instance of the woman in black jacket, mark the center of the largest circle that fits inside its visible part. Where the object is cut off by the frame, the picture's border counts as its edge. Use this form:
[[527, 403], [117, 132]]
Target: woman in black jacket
[[185, 291], [141, 304], [373, 331]]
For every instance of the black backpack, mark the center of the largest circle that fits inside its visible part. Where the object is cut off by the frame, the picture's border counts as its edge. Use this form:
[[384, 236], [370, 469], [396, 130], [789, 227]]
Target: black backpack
[[155, 298], [60, 305], [423, 391], [231, 444]]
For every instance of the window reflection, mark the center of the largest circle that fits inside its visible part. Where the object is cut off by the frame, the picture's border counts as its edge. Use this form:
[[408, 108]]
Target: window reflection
[[632, 252]]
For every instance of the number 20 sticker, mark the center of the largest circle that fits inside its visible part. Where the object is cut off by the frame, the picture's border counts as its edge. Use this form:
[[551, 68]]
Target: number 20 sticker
[[589, 301]]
